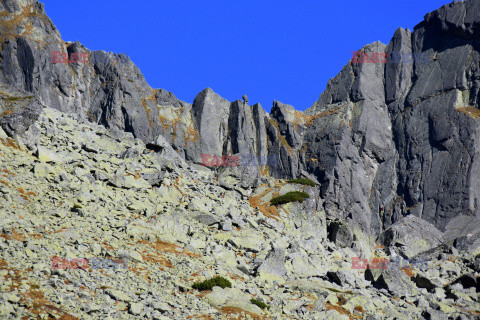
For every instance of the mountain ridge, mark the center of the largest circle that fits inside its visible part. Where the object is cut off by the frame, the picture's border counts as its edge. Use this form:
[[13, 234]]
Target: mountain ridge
[[111, 90], [91, 152]]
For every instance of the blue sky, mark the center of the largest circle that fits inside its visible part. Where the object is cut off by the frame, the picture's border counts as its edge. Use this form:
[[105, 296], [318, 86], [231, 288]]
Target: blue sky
[[283, 50]]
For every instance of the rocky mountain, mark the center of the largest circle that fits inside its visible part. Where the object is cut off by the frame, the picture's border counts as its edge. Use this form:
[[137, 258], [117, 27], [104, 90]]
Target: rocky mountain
[[404, 134], [96, 164], [95, 225]]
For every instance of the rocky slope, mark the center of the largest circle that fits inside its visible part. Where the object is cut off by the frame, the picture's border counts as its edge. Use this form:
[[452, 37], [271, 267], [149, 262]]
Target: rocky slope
[[384, 140], [95, 164], [102, 195]]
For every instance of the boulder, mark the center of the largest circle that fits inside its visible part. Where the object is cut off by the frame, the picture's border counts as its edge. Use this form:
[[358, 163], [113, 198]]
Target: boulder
[[411, 236]]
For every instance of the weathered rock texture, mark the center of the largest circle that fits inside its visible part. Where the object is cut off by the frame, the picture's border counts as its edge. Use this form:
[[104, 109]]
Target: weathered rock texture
[[384, 140], [402, 138], [99, 195], [92, 167]]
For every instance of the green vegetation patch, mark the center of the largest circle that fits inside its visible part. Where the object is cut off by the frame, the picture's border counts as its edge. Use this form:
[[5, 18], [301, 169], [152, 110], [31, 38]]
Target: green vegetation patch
[[13, 98], [290, 197], [18, 98], [259, 304], [209, 284], [303, 181]]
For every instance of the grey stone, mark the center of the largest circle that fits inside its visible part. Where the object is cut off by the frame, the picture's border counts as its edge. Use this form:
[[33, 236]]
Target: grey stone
[[19, 111], [411, 236], [136, 308], [119, 295], [207, 219], [274, 264]]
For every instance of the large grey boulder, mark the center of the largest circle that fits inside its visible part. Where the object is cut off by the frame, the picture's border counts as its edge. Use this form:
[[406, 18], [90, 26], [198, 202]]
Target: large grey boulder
[[411, 236], [273, 267], [395, 280], [233, 298], [18, 112]]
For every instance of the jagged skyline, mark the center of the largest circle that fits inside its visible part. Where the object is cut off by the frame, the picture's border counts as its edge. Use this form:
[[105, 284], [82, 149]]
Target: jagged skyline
[[120, 201], [267, 51]]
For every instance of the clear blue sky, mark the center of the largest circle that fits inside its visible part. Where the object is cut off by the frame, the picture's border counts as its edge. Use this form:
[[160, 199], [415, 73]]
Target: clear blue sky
[[283, 50]]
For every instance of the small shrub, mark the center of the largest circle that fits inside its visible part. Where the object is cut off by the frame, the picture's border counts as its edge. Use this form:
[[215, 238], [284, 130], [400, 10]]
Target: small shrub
[[18, 98], [259, 304], [290, 197], [214, 282], [303, 181]]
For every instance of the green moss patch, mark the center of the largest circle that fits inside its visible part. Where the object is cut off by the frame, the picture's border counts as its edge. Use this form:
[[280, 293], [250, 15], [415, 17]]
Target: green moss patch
[[303, 181], [214, 282], [18, 98], [290, 197], [259, 304]]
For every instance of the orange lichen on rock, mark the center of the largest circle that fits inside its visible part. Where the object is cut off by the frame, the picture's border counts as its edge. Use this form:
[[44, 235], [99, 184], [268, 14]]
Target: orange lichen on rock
[[32, 298], [377, 246], [9, 142], [147, 112], [8, 172], [330, 306], [359, 309], [237, 313], [329, 112], [26, 193], [13, 236], [163, 246], [157, 260], [265, 208], [408, 271], [191, 135], [470, 111]]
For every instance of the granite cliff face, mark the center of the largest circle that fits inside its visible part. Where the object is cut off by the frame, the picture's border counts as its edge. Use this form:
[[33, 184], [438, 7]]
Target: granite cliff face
[[384, 140], [402, 138]]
